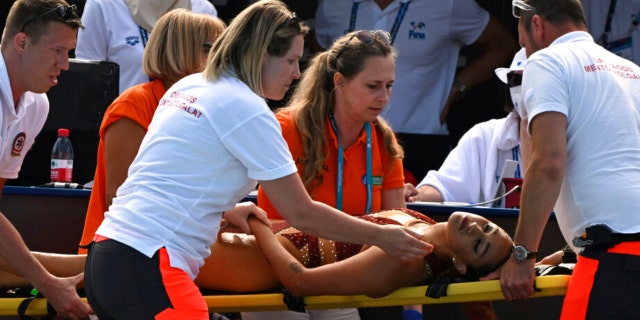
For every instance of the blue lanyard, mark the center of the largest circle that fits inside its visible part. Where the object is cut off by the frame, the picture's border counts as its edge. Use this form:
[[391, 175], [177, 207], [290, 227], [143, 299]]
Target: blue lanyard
[[367, 127], [144, 36], [515, 152], [604, 38], [396, 24]]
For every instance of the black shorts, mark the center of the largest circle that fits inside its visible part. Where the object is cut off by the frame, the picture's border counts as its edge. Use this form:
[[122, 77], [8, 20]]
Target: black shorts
[[122, 283], [605, 284]]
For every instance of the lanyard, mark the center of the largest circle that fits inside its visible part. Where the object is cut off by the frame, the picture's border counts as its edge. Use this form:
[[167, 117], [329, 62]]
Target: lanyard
[[396, 24], [604, 38], [515, 152], [367, 127], [144, 36]]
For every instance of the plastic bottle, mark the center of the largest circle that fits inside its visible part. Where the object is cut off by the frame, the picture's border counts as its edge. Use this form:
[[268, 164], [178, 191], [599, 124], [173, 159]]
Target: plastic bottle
[[62, 158]]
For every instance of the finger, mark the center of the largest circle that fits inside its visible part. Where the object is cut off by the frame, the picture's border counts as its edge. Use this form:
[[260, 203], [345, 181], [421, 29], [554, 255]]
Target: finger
[[244, 226], [263, 218]]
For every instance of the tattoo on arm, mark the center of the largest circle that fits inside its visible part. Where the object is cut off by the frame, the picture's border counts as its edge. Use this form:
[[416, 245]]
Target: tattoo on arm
[[296, 267]]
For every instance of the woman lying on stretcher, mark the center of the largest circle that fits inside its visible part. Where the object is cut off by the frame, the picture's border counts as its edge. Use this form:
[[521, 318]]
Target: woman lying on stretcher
[[467, 244]]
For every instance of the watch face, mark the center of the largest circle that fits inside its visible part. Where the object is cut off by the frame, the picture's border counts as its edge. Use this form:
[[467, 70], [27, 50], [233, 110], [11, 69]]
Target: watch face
[[520, 253]]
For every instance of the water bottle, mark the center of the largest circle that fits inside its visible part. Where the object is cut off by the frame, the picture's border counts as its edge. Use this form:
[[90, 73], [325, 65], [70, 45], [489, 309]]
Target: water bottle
[[62, 158]]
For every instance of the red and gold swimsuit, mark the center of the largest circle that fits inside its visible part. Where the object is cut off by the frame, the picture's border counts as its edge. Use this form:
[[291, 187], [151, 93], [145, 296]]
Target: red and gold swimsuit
[[318, 251]]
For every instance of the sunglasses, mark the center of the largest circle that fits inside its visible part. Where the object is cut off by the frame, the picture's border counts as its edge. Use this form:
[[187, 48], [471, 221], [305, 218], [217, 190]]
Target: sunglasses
[[517, 6], [367, 37], [62, 12], [514, 79], [291, 21]]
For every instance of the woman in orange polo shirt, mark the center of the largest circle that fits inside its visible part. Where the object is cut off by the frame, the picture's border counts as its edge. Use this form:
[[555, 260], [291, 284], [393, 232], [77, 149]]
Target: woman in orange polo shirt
[[177, 47], [346, 154]]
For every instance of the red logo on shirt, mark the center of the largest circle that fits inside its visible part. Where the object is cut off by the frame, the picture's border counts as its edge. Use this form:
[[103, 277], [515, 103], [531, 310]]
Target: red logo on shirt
[[18, 144]]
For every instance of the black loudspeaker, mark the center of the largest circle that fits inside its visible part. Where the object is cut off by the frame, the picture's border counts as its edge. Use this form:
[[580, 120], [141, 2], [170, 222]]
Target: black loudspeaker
[[78, 103]]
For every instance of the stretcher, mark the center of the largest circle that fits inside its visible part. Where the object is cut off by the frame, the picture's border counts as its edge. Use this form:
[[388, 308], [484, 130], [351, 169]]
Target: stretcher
[[549, 285]]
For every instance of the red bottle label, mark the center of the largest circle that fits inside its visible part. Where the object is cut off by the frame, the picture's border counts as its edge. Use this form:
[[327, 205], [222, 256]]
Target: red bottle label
[[61, 170]]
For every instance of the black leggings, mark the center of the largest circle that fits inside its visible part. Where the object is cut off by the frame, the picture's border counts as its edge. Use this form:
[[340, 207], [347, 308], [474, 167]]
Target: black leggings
[[122, 283]]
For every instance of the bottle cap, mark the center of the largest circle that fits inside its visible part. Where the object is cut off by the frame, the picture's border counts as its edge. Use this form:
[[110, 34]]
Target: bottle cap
[[63, 132]]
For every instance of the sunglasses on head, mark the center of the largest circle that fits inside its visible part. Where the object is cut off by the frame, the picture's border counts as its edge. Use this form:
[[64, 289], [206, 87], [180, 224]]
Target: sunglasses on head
[[62, 12], [514, 79], [291, 21], [517, 6], [367, 37]]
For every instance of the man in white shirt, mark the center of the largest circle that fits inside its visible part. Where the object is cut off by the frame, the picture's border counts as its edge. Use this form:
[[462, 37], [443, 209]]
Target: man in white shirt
[[35, 48], [583, 107]]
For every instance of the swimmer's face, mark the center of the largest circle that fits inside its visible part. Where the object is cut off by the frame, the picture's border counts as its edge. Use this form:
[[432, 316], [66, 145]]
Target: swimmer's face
[[477, 241]]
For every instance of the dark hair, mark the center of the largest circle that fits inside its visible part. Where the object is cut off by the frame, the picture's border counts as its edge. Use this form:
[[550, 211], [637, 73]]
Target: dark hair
[[557, 12], [33, 17]]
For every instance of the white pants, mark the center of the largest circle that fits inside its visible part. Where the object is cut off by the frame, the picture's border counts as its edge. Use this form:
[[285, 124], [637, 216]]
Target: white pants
[[318, 314]]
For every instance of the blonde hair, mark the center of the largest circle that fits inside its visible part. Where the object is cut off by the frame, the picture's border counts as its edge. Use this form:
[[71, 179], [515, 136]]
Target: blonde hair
[[313, 100], [266, 26], [176, 44]]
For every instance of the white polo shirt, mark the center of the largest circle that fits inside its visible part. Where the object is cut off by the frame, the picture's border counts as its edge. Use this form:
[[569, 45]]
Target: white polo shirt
[[428, 41], [599, 93], [111, 34], [207, 146], [19, 125]]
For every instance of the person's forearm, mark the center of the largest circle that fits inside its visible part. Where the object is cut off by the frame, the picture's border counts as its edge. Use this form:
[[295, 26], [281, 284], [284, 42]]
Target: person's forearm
[[429, 193], [18, 257], [295, 205], [286, 267], [326, 222], [539, 193]]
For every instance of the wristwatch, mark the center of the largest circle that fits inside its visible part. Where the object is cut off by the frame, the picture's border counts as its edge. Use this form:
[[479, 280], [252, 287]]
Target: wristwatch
[[461, 88], [521, 254]]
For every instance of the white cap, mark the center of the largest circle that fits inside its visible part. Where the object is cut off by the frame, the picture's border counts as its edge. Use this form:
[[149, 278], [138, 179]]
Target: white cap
[[519, 60]]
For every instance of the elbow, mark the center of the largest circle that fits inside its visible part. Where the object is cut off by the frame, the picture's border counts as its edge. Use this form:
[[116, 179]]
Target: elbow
[[553, 168], [554, 173], [295, 286]]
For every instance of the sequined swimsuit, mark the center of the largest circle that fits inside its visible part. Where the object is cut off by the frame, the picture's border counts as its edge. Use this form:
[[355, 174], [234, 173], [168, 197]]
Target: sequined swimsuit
[[315, 246]]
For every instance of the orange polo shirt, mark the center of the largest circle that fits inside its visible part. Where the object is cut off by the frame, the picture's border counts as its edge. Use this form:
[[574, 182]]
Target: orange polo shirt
[[137, 103], [387, 172]]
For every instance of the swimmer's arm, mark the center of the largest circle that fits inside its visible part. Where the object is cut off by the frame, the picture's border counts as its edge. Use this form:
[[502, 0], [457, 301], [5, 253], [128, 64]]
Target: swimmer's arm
[[371, 272]]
